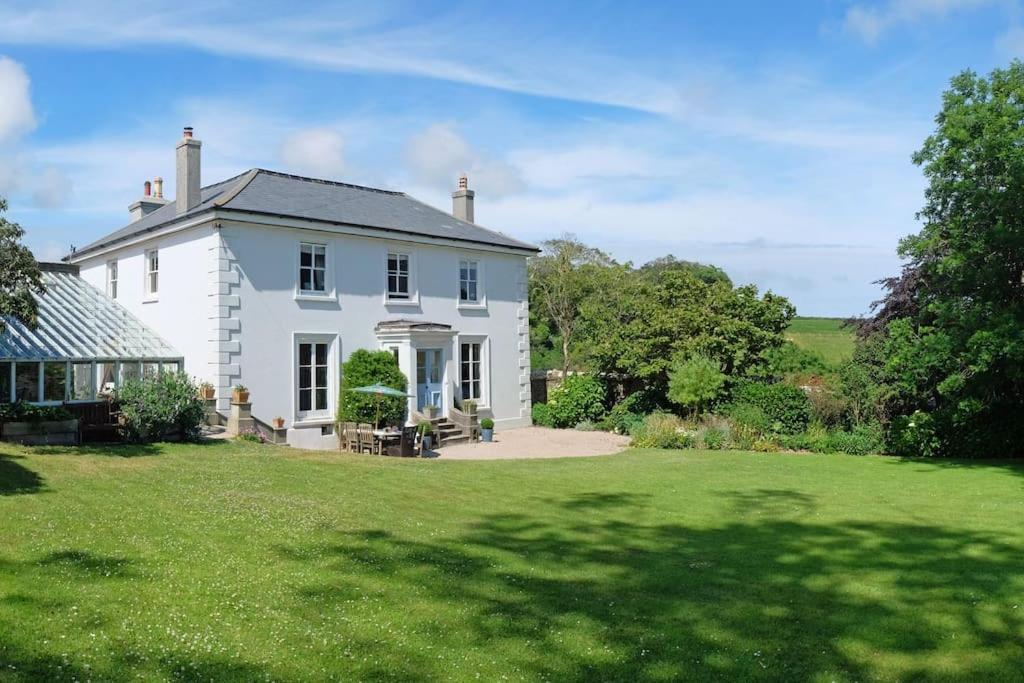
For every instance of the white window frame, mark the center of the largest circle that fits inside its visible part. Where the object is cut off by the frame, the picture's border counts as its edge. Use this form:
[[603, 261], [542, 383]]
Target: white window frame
[[413, 298], [312, 294], [151, 293], [481, 294], [315, 416], [484, 399], [112, 278]]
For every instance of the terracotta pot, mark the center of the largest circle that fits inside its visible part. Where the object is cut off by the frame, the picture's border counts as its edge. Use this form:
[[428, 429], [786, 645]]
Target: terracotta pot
[[240, 396], [278, 423], [208, 393]]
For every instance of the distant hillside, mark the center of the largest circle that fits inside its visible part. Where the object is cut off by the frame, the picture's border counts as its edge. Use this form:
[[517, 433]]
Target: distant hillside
[[825, 336]]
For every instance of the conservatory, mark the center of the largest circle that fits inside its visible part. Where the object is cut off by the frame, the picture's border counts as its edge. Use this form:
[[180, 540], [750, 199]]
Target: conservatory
[[84, 347]]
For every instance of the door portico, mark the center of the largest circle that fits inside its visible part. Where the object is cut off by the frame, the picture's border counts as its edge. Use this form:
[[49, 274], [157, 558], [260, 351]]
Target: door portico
[[425, 351]]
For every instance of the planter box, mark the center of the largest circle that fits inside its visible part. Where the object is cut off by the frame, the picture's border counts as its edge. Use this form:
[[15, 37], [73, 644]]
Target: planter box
[[52, 433]]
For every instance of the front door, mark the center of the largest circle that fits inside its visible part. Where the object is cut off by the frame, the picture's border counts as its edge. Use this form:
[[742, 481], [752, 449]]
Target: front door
[[429, 371]]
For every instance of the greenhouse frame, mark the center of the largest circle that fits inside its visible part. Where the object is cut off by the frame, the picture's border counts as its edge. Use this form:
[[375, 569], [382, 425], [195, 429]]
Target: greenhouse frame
[[84, 346]]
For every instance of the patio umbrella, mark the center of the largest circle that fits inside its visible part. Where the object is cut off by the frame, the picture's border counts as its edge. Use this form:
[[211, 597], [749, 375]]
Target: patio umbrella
[[380, 391]]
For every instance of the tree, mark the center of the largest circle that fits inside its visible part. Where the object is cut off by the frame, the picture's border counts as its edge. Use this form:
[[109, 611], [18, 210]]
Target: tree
[[705, 273], [952, 324], [20, 279], [694, 382], [560, 278]]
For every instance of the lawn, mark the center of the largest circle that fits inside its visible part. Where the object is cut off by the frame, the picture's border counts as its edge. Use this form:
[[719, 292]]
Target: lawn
[[825, 336], [236, 561]]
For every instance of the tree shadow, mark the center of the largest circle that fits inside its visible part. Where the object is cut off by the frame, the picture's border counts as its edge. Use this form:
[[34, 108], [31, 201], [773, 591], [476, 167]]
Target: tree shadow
[[17, 479], [601, 596], [1010, 466]]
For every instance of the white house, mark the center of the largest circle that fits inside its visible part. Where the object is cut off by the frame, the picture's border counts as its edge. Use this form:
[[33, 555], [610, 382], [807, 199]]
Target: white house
[[271, 280]]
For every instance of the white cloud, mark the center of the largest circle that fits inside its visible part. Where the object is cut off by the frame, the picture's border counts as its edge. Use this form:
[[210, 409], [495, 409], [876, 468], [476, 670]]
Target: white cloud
[[869, 23], [315, 151], [437, 155], [16, 114]]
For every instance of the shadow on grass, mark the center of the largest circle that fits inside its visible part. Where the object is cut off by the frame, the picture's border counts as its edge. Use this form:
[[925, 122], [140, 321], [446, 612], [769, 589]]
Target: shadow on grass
[[15, 478], [600, 596], [125, 450], [1010, 466]]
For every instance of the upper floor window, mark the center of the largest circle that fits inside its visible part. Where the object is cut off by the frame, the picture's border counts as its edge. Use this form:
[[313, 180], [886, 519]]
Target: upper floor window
[[398, 276], [112, 279], [312, 268], [469, 282], [152, 272]]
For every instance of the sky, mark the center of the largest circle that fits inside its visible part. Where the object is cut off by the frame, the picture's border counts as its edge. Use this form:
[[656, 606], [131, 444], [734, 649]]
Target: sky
[[771, 139]]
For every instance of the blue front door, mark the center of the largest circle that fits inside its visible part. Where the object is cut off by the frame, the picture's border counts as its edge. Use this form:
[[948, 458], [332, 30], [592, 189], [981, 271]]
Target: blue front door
[[429, 373]]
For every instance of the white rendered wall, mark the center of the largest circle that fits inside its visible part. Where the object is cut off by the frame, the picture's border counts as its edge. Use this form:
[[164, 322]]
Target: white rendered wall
[[179, 312], [270, 314]]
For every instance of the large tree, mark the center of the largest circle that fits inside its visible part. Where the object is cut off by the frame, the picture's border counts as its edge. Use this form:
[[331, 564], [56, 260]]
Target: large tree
[[952, 324], [20, 280], [563, 276]]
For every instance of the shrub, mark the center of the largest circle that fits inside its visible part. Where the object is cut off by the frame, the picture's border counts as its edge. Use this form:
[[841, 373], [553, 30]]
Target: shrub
[[695, 382], [861, 440], [765, 446], [362, 369], [790, 359], [542, 415], [914, 436], [578, 398], [661, 430], [749, 416], [786, 407], [715, 438], [744, 437], [631, 411], [487, 423], [155, 407], [29, 412], [253, 435], [828, 408], [425, 428], [586, 426]]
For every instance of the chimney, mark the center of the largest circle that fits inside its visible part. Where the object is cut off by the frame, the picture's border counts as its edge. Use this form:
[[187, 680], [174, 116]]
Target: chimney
[[158, 187], [188, 185], [149, 203], [462, 200]]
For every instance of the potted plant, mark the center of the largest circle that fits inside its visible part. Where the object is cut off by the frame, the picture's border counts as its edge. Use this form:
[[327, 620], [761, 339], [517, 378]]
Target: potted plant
[[426, 435], [487, 429], [278, 422], [206, 390], [469, 407], [240, 394], [430, 411]]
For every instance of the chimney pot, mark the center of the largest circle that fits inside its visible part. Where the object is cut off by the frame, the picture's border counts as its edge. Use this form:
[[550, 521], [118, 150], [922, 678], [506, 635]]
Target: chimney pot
[[146, 189], [158, 187], [187, 132]]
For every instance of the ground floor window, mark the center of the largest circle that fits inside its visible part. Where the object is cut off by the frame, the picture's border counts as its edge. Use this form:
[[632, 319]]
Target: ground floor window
[[5, 382], [81, 382], [313, 378], [55, 377], [26, 382], [470, 371]]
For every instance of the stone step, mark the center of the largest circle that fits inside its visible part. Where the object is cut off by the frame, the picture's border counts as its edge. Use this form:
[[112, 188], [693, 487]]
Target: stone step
[[457, 438]]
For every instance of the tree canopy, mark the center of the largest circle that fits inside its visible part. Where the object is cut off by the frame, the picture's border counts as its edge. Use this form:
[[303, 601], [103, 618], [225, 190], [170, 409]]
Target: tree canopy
[[951, 327], [20, 279]]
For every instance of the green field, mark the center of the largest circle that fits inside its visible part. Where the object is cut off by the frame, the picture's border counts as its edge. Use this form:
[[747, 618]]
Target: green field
[[236, 561], [825, 336]]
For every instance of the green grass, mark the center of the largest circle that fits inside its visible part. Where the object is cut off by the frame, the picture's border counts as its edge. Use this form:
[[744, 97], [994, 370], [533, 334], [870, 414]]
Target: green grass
[[239, 561], [825, 336]]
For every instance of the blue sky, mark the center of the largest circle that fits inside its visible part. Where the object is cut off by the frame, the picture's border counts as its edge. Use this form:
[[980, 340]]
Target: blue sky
[[772, 139]]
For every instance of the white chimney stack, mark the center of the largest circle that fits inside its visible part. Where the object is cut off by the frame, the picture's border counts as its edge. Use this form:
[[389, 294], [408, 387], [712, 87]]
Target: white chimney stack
[[462, 200], [188, 184]]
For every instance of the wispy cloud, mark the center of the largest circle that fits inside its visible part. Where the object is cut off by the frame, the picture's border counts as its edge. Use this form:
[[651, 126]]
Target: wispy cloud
[[871, 22]]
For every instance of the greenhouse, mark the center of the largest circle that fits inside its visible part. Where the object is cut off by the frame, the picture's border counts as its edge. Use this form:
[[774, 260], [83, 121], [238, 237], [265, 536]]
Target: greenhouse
[[84, 347]]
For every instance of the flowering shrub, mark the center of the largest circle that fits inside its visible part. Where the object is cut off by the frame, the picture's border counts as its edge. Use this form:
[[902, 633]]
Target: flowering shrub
[[577, 399]]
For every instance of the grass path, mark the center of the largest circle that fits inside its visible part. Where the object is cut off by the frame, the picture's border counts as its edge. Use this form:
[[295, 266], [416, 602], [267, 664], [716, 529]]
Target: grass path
[[224, 561]]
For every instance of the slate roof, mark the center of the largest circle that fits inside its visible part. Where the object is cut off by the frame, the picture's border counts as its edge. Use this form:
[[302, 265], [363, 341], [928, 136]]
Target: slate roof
[[259, 191], [79, 322]]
